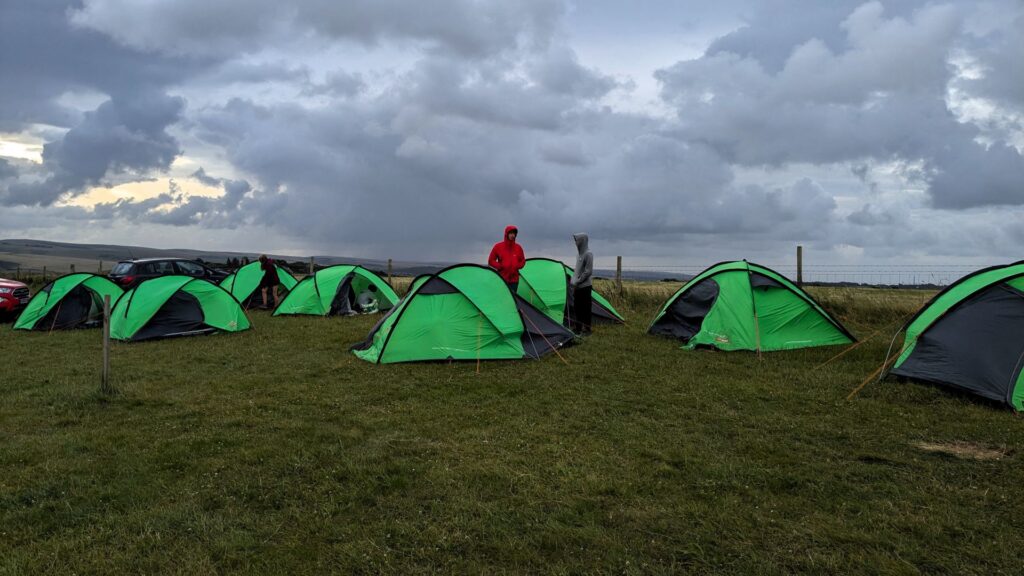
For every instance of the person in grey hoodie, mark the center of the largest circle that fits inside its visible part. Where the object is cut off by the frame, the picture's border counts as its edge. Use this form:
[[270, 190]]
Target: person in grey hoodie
[[582, 298]]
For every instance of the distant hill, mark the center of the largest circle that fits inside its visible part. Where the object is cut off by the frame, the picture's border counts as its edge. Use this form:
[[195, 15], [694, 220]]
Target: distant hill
[[34, 254], [60, 256]]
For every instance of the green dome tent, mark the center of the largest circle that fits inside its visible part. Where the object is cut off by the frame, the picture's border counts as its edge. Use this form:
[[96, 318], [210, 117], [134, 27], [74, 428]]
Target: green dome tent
[[71, 301], [333, 291], [970, 337], [465, 312], [744, 306], [175, 306], [544, 283], [245, 281]]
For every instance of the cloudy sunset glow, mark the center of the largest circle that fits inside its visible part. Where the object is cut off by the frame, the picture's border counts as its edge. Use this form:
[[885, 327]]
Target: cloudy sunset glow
[[869, 132]]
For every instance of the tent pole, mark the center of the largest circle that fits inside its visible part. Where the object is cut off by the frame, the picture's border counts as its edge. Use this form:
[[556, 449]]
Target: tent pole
[[753, 305], [105, 380], [55, 315], [479, 327]]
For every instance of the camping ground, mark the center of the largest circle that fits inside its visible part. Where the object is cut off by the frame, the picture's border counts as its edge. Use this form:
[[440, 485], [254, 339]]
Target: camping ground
[[277, 451]]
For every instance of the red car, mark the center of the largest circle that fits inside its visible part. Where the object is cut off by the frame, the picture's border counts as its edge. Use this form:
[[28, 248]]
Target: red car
[[13, 298]]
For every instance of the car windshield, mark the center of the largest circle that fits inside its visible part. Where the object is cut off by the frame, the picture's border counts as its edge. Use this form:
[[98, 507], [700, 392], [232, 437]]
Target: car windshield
[[190, 268], [122, 268]]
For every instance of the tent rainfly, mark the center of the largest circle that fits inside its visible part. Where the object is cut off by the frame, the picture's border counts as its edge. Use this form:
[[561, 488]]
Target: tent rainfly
[[544, 283], [242, 284], [743, 306], [72, 301], [465, 312], [333, 290], [175, 306], [970, 337]]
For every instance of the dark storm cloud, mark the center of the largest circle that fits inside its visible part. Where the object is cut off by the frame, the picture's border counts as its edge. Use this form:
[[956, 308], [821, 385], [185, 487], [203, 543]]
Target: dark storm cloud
[[43, 57], [464, 27], [877, 92], [997, 50], [124, 135], [495, 118], [7, 169]]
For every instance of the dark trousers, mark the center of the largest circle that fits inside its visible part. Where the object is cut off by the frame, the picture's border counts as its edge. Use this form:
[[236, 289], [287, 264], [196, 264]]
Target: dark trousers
[[582, 304], [513, 286]]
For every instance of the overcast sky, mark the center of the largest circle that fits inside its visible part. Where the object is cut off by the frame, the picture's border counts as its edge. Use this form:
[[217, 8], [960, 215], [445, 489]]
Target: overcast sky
[[672, 132]]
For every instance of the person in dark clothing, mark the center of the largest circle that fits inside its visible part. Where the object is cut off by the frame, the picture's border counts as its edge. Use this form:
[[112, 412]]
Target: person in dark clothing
[[582, 287], [269, 280], [507, 258]]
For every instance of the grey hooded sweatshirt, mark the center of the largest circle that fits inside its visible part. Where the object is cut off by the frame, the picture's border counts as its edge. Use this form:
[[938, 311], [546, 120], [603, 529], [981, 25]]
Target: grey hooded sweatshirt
[[584, 262]]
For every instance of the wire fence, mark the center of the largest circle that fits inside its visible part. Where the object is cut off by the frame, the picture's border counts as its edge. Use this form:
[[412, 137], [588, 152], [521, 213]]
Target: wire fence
[[896, 275]]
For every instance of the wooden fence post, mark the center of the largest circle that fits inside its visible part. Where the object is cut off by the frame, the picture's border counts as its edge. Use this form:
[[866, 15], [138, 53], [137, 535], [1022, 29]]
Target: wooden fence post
[[72, 268], [310, 265], [99, 269], [618, 274], [389, 273], [800, 266], [105, 379], [18, 274], [44, 273]]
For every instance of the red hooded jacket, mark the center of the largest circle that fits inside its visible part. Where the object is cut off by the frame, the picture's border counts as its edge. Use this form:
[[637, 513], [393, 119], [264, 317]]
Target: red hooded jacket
[[507, 257]]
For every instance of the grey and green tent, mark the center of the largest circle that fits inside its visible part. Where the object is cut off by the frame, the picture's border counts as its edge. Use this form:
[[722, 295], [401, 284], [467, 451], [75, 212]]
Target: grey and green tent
[[333, 291], [544, 283], [465, 312], [744, 306], [169, 306], [72, 301], [970, 337], [243, 283]]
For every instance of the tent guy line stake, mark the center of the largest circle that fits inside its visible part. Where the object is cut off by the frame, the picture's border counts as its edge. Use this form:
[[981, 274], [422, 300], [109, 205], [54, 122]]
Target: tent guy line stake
[[546, 341], [880, 371], [856, 344]]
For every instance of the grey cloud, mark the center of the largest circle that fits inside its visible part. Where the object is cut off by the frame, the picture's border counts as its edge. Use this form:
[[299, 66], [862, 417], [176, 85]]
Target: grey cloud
[[235, 71], [999, 54], [201, 175], [566, 153], [44, 58], [463, 27], [881, 96], [338, 83], [494, 119], [868, 215], [234, 190], [971, 174], [122, 136], [131, 210], [776, 28], [561, 73], [173, 208], [7, 169]]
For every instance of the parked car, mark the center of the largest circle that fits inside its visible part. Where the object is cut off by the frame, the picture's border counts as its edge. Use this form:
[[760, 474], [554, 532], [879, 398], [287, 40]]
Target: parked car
[[14, 296], [129, 273]]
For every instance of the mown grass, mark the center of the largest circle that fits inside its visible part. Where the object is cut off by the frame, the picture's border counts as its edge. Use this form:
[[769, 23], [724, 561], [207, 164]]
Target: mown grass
[[276, 451]]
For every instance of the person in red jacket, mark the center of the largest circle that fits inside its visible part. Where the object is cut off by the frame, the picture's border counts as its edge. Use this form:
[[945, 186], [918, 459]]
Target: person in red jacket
[[507, 258]]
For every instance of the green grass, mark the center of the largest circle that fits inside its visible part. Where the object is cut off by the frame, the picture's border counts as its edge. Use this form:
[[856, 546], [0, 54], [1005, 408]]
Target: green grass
[[276, 451]]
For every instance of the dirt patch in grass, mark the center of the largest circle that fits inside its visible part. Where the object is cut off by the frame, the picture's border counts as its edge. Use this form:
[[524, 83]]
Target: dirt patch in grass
[[965, 450]]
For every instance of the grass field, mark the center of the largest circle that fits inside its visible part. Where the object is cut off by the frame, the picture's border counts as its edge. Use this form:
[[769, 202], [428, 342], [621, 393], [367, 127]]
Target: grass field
[[276, 451]]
